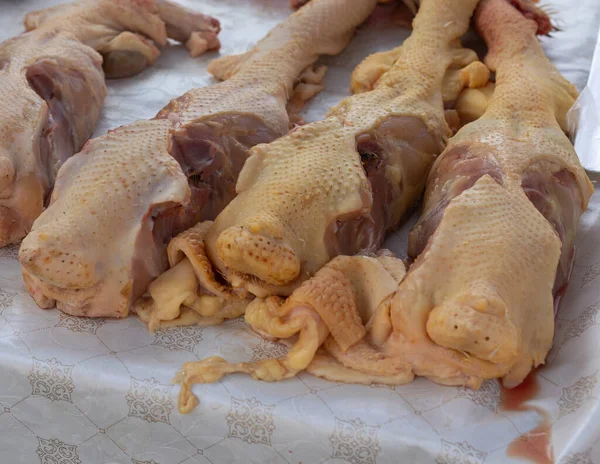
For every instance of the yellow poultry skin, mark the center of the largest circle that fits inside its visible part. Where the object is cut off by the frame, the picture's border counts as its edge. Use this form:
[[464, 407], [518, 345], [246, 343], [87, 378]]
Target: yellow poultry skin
[[399, 103], [335, 186], [52, 87], [478, 301], [120, 200]]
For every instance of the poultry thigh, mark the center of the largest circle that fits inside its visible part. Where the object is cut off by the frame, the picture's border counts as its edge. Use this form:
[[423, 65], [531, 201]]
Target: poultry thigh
[[52, 87], [118, 202]]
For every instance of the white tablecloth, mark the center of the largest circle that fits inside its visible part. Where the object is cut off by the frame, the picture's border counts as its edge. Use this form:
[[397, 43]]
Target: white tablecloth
[[98, 391]]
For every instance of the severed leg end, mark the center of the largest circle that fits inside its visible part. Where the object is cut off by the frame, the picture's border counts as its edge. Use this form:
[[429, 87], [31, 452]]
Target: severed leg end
[[127, 55], [197, 31], [201, 42]]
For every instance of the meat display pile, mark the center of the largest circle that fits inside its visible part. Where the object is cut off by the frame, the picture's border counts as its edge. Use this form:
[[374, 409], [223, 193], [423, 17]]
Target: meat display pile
[[503, 200], [226, 203]]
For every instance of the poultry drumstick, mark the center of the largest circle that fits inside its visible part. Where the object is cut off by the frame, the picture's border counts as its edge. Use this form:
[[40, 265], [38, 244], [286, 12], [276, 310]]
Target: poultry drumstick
[[118, 202], [52, 87]]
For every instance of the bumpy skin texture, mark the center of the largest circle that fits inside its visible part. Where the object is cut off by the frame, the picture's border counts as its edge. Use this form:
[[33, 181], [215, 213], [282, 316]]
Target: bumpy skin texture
[[520, 163], [118, 202], [295, 192], [52, 88], [478, 301], [337, 186]]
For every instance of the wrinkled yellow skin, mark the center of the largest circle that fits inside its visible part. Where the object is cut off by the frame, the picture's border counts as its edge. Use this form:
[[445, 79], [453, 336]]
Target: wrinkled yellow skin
[[272, 236], [477, 303], [79, 44], [81, 253]]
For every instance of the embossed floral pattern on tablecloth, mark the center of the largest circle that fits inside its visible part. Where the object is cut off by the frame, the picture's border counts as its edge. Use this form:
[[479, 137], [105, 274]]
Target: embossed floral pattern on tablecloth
[[79, 391]]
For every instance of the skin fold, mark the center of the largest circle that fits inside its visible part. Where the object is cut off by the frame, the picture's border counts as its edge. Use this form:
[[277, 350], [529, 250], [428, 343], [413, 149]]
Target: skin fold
[[121, 200], [501, 209], [52, 87], [336, 186]]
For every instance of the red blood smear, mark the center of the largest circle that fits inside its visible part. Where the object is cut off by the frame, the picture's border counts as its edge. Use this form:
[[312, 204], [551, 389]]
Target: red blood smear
[[514, 399], [535, 445]]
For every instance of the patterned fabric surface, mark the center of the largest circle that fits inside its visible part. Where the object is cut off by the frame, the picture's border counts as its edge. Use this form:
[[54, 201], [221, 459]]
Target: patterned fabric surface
[[76, 391]]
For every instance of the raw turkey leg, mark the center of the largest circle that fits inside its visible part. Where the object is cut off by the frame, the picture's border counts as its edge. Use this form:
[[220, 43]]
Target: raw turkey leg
[[478, 301], [118, 202], [52, 87], [336, 186]]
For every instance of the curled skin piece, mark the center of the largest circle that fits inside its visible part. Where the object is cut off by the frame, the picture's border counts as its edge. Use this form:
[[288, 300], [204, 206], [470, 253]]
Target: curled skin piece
[[121, 200], [346, 310], [174, 299], [52, 88], [337, 186], [500, 214], [342, 287]]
